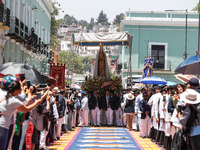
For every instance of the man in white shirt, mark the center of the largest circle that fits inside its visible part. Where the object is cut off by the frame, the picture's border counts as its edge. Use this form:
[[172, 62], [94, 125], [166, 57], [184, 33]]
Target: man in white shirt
[[84, 111], [137, 109]]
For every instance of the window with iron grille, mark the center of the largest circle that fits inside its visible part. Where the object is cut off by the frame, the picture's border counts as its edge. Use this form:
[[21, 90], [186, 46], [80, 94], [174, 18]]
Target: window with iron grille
[[158, 53]]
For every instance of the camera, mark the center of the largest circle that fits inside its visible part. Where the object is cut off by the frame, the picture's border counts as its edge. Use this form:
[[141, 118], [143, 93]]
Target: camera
[[57, 98], [43, 85], [38, 95], [181, 108], [28, 84], [22, 77]]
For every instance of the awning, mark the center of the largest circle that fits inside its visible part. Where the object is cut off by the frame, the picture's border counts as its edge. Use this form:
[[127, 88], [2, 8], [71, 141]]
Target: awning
[[94, 39]]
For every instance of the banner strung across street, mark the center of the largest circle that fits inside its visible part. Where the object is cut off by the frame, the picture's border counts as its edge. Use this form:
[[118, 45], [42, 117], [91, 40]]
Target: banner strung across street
[[58, 72]]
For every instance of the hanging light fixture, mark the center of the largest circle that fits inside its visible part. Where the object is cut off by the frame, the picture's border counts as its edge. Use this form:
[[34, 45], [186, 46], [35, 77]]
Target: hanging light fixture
[[34, 8]]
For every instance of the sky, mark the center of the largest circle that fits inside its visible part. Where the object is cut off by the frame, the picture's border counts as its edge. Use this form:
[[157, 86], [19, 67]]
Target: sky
[[87, 9]]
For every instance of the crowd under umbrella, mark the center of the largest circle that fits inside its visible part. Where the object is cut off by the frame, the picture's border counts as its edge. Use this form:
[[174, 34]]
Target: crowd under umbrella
[[153, 80], [31, 74], [189, 66]]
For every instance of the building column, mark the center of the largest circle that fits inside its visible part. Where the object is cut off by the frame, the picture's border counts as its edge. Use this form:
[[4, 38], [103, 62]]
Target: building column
[[2, 43]]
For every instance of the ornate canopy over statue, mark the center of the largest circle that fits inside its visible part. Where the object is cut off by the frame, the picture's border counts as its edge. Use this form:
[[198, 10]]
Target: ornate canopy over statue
[[101, 67], [107, 39]]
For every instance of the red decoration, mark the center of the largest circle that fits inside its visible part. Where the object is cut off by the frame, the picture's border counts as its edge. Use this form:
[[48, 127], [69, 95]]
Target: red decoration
[[29, 134], [58, 72]]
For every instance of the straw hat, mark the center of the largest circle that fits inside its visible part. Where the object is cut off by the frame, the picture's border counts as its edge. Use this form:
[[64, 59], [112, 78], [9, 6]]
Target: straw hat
[[56, 89], [190, 96], [129, 96]]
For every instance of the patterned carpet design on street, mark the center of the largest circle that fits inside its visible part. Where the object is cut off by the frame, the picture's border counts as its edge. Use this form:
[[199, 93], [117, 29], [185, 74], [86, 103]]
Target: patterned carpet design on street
[[65, 140], [103, 138]]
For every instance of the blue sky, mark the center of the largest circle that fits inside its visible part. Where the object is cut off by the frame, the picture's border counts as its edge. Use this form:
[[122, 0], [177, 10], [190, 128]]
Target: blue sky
[[86, 9]]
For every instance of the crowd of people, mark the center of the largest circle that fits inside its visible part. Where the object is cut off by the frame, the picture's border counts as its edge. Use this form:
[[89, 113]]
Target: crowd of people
[[32, 117], [170, 116]]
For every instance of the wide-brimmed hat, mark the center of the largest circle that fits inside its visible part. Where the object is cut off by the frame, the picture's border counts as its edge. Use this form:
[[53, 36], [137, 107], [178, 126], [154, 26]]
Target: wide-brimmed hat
[[56, 89], [190, 96], [129, 96]]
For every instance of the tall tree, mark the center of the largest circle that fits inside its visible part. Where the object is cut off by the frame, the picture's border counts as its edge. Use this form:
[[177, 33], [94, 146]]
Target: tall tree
[[91, 24], [54, 28], [102, 18], [83, 23], [72, 61], [87, 62], [69, 20], [118, 19]]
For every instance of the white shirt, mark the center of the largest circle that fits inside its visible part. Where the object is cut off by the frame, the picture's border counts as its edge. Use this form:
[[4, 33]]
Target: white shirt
[[8, 108], [107, 100], [137, 101], [156, 104], [84, 103]]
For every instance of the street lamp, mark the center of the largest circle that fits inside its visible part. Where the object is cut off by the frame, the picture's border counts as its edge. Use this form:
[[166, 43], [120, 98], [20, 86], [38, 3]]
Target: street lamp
[[34, 8], [186, 16]]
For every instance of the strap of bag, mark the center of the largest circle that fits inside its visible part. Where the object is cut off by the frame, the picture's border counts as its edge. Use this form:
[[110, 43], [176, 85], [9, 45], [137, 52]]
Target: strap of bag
[[2, 100]]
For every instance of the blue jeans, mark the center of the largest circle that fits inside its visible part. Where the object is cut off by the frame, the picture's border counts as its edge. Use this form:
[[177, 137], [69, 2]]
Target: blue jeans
[[3, 138], [10, 131]]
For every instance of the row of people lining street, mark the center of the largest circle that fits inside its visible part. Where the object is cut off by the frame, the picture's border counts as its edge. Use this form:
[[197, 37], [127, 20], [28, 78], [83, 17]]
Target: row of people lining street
[[33, 117]]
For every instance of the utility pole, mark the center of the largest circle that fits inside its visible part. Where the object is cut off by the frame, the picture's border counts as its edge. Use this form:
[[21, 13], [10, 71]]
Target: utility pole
[[186, 18], [185, 53]]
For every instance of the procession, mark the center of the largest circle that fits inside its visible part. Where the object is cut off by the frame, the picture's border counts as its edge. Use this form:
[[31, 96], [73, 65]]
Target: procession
[[131, 83]]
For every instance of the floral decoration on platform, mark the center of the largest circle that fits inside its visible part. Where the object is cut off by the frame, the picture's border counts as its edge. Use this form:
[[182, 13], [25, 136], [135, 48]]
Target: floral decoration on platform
[[102, 84]]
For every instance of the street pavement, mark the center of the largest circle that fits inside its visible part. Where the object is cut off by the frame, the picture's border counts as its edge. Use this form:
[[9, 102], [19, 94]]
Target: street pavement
[[103, 138]]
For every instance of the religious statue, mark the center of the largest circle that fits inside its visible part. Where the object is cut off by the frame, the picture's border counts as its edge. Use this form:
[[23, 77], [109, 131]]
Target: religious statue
[[147, 70], [101, 66]]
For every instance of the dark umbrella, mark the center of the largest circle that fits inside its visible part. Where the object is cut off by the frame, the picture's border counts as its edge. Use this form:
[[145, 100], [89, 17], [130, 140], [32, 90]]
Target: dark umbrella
[[50, 79], [30, 73], [190, 66]]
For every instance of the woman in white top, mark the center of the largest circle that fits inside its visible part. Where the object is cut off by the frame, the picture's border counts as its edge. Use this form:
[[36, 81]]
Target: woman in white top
[[8, 106]]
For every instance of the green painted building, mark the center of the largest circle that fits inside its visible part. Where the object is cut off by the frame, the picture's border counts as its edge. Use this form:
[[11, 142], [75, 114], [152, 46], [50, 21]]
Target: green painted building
[[28, 37], [161, 35]]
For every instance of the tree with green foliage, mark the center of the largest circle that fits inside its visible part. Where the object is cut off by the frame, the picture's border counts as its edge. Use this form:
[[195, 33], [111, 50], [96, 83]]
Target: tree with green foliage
[[87, 62], [83, 23], [54, 28], [72, 61], [69, 20], [118, 19], [102, 18], [197, 8], [91, 24]]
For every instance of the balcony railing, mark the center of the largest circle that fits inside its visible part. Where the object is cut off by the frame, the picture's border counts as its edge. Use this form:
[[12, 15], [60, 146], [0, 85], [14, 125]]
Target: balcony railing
[[162, 66], [22, 30], [17, 29], [26, 33], [6, 17], [14, 27], [1, 12]]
